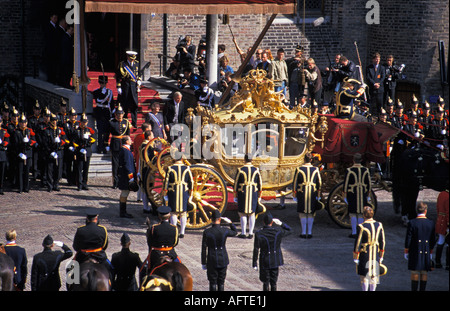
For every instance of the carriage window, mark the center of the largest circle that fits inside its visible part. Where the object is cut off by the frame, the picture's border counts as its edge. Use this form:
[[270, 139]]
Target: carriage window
[[295, 140], [233, 141], [265, 140]]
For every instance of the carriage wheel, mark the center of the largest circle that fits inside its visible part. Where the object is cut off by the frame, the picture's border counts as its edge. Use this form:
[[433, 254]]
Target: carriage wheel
[[338, 209], [209, 193]]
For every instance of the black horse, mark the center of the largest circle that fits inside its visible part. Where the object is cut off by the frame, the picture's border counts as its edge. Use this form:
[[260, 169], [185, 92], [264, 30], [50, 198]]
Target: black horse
[[93, 277], [414, 169], [173, 276], [6, 272]]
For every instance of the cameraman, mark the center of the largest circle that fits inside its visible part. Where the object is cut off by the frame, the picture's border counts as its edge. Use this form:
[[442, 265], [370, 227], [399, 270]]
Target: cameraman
[[393, 73], [186, 53]]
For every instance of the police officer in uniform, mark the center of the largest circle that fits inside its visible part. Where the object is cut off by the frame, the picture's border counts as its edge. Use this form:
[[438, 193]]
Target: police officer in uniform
[[45, 268], [268, 245], [161, 239], [419, 243], [247, 191], [369, 249], [357, 187], [91, 240], [128, 85], [306, 191], [83, 139], [118, 127], [103, 97], [177, 190], [23, 139], [54, 139], [125, 263], [345, 99], [214, 253]]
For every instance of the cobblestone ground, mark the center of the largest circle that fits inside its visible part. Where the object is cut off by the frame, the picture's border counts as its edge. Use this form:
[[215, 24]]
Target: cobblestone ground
[[323, 263]]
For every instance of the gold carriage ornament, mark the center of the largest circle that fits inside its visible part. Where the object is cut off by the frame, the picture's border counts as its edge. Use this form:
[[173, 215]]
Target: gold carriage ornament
[[255, 121]]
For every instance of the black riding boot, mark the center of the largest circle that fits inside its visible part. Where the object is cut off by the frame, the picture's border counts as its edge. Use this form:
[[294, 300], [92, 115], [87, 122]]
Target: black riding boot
[[123, 210], [212, 287], [220, 287], [266, 286], [439, 249]]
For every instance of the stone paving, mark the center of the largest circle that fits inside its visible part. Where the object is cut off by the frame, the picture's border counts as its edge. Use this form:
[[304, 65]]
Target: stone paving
[[323, 263]]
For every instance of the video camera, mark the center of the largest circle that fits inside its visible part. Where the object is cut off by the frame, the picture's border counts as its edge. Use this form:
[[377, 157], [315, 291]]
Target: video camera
[[181, 43]]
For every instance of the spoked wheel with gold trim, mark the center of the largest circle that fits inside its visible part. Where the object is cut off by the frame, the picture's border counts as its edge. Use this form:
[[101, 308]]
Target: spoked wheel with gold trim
[[209, 193], [338, 209]]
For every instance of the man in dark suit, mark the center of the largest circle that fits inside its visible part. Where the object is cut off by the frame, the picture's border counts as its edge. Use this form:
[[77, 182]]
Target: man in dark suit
[[267, 244], [174, 113], [128, 85], [19, 256], [375, 76], [419, 244], [214, 253], [66, 57], [45, 268]]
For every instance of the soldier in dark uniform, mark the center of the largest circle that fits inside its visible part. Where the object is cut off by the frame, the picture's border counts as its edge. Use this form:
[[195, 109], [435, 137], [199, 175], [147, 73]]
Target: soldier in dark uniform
[[91, 240], [247, 192], [414, 108], [11, 127], [5, 115], [268, 245], [33, 123], [177, 189], [357, 187], [214, 253], [45, 268], [440, 127], [42, 125], [398, 119], [126, 174], [125, 263], [83, 139], [161, 240], [23, 139], [54, 139], [345, 99], [426, 118], [390, 110], [128, 85], [4, 143], [19, 256], [70, 164], [419, 243], [414, 128], [118, 127], [306, 191], [103, 97], [368, 251], [62, 114]]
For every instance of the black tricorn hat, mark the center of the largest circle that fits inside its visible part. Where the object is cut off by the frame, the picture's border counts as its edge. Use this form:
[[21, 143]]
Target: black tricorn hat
[[103, 79]]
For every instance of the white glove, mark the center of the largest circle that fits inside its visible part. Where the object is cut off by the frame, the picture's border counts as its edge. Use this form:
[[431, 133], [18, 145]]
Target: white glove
[[107, 148], [356, 261], [381, 260], [406, 256], [440, 146], [139, 82], [54, 155], [57, 140], [295, 199], [0, 140], [26, 139], [119, 91], [227, 220], [235, 200], [83, 151], [401, 142], [166, 198], [86, 135], [255, 268], [204, 267], [443, 132], [71, 148], [22, 156], [277, 221], [131, 180], [363, 85], [417, 134], [58, 243]]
